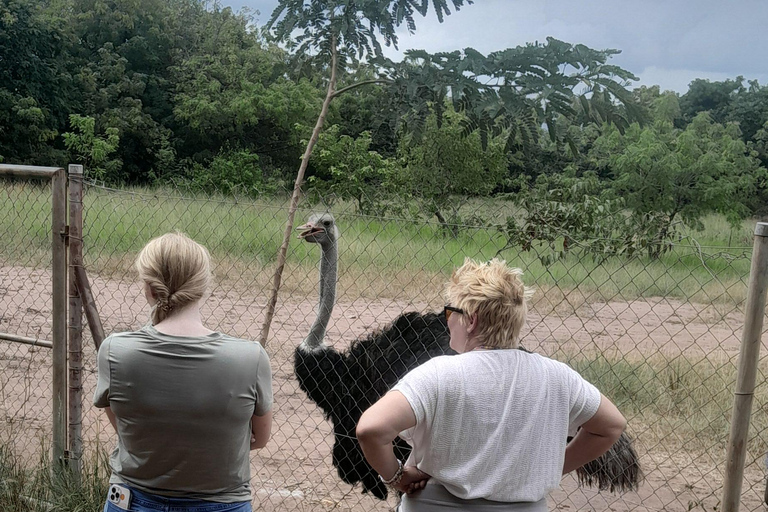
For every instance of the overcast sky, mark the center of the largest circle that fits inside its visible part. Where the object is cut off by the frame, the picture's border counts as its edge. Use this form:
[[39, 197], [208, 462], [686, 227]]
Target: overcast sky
[[664, 42]]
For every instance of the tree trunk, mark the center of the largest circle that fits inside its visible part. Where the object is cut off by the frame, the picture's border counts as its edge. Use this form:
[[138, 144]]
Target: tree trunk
[[656, 249], [295, 198]]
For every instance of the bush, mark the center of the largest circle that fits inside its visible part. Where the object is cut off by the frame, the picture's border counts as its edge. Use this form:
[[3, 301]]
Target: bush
[[233, 172]]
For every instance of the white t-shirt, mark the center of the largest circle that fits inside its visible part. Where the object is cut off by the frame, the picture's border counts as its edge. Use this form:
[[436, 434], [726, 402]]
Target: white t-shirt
[[493, 424]]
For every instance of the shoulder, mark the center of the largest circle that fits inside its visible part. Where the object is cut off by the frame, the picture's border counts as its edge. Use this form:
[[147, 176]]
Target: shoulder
[[248, 348], [555, 369], [433, 368], [121, 339], [439, 363], [127, 336]]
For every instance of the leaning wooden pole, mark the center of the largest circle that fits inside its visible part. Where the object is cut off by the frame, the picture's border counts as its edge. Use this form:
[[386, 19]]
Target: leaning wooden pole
[[59, 327], [282, 255], [89, 303], [747, 370], [75, 320]]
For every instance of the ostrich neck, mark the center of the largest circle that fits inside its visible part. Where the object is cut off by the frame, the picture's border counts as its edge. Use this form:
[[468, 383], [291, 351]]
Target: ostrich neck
[[328, 274]]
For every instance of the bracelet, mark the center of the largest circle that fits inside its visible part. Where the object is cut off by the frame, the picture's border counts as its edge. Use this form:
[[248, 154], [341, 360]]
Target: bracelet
[[395, 480]]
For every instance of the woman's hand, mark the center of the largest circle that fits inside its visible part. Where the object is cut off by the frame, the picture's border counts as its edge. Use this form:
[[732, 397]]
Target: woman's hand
[[413, 480]]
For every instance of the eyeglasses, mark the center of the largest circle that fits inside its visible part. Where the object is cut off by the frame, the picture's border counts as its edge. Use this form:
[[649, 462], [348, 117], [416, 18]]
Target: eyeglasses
[[448, 310]]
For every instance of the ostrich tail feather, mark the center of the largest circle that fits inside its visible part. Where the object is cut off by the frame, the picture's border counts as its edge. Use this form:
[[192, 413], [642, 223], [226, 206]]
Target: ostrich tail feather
[[618, 470]]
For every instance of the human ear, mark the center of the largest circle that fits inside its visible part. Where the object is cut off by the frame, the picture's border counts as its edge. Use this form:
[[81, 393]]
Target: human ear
[[149, 295], [472, 325]]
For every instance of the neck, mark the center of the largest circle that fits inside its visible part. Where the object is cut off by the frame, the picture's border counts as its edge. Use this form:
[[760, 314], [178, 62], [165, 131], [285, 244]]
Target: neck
[[328, 273], [186, 322]]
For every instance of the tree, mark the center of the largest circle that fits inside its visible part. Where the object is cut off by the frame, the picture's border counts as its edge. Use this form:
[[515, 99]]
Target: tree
[[749, 108], [670, 175], [234, 93], [712, 97], [515, 91], [35, 83], [447, 165], [91, 151], [346, 168], [661, 106], [340, 32]]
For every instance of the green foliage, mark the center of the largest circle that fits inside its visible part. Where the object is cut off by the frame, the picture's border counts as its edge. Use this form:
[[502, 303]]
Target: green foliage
[[712, 97], [91, 151], [515, 91], [749, 108], [35, 84], [447, 165], [666, 175], [233, 172], [662, 106], [564, 213], [347, 169], [353, 29]]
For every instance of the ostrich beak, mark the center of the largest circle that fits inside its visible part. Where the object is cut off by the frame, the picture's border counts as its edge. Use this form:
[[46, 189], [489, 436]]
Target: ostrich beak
[[308, 229]]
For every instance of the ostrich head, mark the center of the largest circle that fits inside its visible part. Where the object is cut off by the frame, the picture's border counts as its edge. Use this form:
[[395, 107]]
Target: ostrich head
[[321, 229]]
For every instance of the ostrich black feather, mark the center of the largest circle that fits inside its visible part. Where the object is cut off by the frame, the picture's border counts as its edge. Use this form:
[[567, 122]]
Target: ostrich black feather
[[344, 384]]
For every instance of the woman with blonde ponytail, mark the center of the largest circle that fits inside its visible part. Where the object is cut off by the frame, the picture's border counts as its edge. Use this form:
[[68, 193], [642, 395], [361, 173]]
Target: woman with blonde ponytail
[[188, 403]]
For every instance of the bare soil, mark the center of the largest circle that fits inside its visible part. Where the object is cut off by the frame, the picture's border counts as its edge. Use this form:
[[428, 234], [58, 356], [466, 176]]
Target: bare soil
[[294, 472]]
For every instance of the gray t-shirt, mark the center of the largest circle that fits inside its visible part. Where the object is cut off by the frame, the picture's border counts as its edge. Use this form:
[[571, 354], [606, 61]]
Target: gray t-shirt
[[183, 407]]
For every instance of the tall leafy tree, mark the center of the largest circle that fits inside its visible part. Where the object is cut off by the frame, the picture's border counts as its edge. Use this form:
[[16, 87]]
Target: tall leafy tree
[[36, 88], [713, 97], [446, 165], [517, 90], [749, 108], [670, 176], [339, 33]]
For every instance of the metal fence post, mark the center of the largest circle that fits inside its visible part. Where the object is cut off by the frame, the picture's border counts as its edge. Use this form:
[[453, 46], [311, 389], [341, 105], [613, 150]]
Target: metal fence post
[[59, 327], [75, 319], [747, 371]]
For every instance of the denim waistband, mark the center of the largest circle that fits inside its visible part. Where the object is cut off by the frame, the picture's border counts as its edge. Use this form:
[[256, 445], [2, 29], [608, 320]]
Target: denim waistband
[[167, 504]]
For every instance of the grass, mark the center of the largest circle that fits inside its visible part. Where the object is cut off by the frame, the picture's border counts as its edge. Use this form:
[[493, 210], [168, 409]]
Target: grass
[[37, 489], [679, 413], [388, 258]]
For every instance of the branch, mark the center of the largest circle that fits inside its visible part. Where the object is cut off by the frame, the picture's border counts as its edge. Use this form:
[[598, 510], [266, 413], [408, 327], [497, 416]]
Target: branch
[[358, 84]]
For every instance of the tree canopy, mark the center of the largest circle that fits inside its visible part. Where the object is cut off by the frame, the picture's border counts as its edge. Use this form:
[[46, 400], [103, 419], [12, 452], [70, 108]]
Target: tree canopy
[[189, 92]]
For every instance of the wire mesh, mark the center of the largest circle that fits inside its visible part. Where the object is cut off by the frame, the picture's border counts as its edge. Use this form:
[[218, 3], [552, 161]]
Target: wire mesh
[[25, 311], [660, 337]]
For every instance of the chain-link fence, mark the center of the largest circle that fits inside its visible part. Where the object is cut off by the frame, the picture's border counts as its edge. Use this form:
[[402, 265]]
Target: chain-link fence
[[659, 336]]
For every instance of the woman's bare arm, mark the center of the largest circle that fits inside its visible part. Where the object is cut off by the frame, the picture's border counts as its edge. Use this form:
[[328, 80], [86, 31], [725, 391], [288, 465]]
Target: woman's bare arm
[[261, 429], [595, 437]]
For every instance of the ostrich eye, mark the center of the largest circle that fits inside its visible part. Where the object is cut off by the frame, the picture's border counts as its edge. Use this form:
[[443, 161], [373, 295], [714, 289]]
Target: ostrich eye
[[326, 222]]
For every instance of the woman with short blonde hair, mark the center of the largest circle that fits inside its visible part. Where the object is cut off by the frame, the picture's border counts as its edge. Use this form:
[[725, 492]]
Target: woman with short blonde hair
[[480, 447], [495, 293], [188, 403]]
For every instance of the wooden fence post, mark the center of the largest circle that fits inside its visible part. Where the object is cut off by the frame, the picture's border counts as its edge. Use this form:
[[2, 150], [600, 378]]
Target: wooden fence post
[[747, 371], [75, 320]]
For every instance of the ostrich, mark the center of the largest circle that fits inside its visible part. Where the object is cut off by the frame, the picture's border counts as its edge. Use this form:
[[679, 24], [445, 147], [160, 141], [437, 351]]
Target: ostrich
[[344, 384]]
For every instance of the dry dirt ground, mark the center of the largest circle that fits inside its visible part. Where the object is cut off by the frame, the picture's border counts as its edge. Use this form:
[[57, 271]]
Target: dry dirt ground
[[293, 472]]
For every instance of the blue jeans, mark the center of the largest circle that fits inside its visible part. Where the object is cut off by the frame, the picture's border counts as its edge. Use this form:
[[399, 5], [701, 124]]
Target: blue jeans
[[144, 502]]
